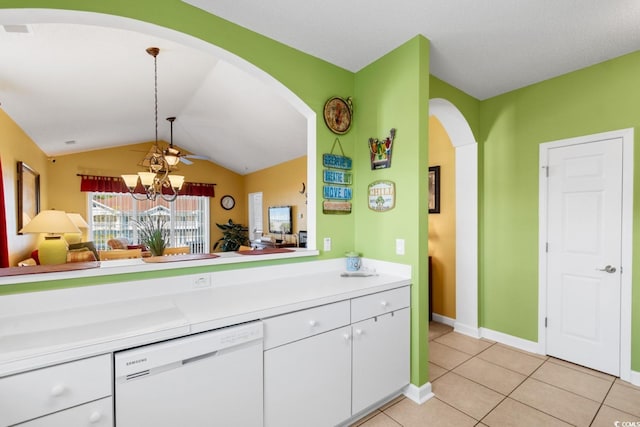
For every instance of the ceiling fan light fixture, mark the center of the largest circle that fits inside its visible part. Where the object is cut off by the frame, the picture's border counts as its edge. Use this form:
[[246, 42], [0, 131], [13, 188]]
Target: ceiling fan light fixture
[[171, 158]]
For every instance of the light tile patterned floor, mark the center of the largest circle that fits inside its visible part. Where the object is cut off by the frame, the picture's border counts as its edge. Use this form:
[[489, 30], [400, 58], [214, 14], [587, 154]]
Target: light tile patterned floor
[[482, 383]]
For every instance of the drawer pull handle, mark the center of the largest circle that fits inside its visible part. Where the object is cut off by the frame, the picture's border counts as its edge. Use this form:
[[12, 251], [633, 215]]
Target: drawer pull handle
[[359, 332], [384, 304], [57, 390], [95, 417], [313, 323], [347, 337]]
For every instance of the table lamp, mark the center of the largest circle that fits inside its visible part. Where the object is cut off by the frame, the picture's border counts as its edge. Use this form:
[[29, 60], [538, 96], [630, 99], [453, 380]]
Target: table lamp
[[79, 222], [53, 249]]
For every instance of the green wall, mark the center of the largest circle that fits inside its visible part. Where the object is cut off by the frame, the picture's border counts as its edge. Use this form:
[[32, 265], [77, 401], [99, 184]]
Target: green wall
[[596, 99], [393, 92], [403, 74], [468, 105]]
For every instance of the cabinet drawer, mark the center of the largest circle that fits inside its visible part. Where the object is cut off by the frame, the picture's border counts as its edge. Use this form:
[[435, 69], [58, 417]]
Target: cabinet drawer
[[94, 414], [301, 324], [36, 393], [379, 303]]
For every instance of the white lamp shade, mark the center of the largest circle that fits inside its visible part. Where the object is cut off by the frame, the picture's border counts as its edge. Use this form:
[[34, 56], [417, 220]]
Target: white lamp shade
[[147, 178], [50, 221], [130, 181], [176, 181], [77, 219]]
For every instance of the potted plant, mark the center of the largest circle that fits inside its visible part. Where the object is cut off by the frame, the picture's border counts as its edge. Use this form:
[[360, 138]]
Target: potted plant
[[153, 233], [233, 236]]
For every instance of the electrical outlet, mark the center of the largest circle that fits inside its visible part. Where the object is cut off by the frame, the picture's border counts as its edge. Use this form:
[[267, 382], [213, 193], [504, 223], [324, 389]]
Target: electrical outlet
[[327, 244], [399, 246], [202, 282]]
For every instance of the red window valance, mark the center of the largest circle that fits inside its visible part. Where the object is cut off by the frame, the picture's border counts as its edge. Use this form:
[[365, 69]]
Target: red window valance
[[115, 184]]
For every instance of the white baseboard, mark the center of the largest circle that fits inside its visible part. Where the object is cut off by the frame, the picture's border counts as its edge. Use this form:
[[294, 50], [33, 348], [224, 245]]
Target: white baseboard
[[419, 394], [443, 319], [466, 330], [510, 340], [635, 378]]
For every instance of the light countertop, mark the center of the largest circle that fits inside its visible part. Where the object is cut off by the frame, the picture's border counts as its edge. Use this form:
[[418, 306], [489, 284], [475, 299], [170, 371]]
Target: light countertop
[[44, 328]]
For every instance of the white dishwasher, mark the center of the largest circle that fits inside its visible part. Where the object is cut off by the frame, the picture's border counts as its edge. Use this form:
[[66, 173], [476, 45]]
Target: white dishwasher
[[209, 379]]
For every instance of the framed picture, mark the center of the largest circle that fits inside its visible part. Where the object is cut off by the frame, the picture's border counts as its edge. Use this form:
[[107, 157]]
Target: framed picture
[[28, 194], [434, 189]]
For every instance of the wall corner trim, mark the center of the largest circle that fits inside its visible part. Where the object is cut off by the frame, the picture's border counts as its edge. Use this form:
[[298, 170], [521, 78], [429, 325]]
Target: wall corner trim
[[419, 394]]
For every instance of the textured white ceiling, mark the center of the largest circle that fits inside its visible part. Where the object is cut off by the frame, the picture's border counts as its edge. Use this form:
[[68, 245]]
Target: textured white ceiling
[[483, 47]]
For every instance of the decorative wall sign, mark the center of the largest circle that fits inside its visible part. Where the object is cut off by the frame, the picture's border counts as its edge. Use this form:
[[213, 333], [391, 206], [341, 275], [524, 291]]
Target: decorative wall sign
[[335, 207], [335, 161], [434, 189], [336, 177], [338, 193], [337, 114], [381, 150], [382, 196]]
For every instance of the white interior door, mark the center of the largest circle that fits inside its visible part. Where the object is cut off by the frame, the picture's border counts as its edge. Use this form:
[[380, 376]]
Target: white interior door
[[584, 223], [255, 215]]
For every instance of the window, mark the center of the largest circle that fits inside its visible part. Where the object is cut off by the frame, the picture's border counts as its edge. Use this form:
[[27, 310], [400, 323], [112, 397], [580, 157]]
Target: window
[[111, 215]]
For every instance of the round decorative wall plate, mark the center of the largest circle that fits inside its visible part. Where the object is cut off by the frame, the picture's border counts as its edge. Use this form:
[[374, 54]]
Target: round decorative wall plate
[[337, 114], [227, 202]]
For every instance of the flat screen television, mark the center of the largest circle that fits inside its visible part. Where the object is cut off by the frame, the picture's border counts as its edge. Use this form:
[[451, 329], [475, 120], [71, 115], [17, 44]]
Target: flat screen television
[[280, 219]]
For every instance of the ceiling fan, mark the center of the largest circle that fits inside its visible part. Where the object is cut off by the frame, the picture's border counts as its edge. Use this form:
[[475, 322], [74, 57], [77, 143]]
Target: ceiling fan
[[173, 156]]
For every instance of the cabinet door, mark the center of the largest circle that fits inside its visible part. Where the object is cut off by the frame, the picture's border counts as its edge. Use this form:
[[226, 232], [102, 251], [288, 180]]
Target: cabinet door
[[308, 382], [380, 357]]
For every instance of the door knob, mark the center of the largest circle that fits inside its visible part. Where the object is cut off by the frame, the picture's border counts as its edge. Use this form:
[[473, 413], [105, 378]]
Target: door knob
[[608, 269]]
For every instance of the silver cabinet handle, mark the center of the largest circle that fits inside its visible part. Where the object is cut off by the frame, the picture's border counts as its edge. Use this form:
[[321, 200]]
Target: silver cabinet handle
[[608, 269]]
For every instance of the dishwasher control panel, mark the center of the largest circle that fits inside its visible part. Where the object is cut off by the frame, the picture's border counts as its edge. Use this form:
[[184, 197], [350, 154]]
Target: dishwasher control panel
[[134, 361]]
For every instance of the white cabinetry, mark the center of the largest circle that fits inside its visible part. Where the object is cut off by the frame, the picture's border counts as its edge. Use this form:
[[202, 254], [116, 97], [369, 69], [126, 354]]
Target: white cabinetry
[[307, 382], [325, 364], [307, 379], [41, 392], [380, 357], [93, 414]]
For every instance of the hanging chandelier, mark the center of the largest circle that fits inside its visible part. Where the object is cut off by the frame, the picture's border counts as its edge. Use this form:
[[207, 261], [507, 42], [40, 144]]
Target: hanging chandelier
[[156, 180]]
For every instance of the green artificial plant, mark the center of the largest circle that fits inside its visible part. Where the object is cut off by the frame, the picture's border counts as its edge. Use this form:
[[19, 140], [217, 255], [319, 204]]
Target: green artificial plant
[[153, 233]]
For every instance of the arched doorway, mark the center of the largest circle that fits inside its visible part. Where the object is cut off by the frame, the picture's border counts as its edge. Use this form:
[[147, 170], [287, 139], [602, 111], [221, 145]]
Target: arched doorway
[[32, 16], [466, 153]]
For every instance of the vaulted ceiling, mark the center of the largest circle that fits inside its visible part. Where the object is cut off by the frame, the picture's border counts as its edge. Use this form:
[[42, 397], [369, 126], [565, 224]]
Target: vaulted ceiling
[[82, 87]]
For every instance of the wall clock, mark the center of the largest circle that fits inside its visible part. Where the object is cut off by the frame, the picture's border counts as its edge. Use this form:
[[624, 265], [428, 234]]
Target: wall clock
[[227, 202], [337, 114]]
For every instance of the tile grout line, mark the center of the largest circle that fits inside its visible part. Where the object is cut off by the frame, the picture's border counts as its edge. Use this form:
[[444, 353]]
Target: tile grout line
[[538, 409], [547, 358]]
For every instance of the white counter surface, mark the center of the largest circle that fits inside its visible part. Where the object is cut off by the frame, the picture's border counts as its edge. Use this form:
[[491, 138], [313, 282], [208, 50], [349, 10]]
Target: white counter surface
[[44, 328]]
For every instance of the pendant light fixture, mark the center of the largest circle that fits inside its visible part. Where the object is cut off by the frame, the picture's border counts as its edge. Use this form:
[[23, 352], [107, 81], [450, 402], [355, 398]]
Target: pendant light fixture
[[157, 178]]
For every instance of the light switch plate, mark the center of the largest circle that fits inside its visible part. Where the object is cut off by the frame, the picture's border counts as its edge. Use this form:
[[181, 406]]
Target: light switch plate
[[399, 246], [327, 243]]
